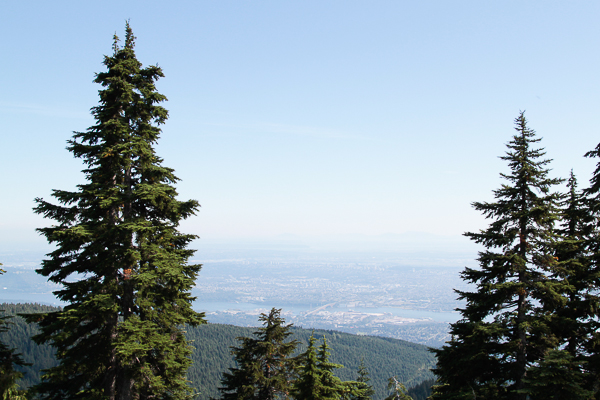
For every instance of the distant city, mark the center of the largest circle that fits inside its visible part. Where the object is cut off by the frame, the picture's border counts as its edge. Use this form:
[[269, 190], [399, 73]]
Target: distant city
[[406, 295], [382, 298]]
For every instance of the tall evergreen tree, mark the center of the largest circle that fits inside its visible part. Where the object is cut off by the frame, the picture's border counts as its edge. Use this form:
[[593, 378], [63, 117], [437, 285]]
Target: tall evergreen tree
[[592, 345], [504, 329], [333, 387], [316, 380], [365, 391], [264, 364], [119, 257], [315, 376], [575, 319]]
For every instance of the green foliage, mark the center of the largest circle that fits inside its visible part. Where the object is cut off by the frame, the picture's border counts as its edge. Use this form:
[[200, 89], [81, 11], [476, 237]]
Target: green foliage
[[386, 357], [13, 393], [557, 376], [383, 357], [365, 390], [309, 385], [119, 258], [211, 356], [316, 380], [398, 390], [422, 390], [35, 357], [531, 328], [506, 325], [574, 319], [264, 368], [9, 358], [590, 345]]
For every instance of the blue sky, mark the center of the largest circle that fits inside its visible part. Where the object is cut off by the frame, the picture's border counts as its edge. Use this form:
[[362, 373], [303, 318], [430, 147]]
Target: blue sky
[[307, 118]]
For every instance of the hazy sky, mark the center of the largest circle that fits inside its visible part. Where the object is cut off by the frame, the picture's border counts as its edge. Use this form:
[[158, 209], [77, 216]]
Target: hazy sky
[[307, 117]]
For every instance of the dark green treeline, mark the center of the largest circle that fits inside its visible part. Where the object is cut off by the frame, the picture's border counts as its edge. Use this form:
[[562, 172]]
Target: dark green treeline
[[383, 357]]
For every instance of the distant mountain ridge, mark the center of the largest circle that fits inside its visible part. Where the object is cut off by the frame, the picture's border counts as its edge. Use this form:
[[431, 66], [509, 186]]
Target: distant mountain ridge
[[383, 357], [387, 242]]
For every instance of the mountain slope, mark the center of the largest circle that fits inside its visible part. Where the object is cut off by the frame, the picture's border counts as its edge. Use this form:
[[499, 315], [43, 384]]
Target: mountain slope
[[383, 357]]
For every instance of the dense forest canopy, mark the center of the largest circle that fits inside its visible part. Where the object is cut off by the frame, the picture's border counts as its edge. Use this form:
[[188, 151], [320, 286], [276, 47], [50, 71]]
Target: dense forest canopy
[[211, 354]]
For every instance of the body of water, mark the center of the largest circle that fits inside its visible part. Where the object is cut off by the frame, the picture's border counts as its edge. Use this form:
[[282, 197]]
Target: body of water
[[437, 316]]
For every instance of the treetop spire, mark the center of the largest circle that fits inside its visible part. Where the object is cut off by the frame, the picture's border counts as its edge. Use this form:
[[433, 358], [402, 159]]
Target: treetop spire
[[119, 336]]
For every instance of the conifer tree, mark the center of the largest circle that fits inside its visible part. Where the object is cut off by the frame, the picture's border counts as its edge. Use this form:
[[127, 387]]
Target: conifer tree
[[264, 364], [316, 380], [365, 390], [398, 390], [308, 385], [333, 387], [575, 318], [504, 329], [592, 345], [119, 257]]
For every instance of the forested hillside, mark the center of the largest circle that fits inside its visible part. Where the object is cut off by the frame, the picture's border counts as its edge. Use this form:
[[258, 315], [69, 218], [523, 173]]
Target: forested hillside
[[18, 336], [383, 357]]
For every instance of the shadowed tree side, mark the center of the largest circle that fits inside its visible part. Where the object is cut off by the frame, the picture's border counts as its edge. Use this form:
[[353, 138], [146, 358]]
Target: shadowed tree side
[[592, 344], [574, 318], [119, 257]]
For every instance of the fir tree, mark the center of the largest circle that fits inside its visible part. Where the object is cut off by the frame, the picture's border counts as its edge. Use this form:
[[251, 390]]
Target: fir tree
[[504, 329], [365, 390], [308, 385], [119, 257], [316, 380], [574, 319], [398, 390], [333, 387], [264, 364], [592, 273]]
